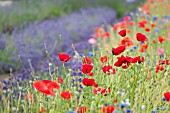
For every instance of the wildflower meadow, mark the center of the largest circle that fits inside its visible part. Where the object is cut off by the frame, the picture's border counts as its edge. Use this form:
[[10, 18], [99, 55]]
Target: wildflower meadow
[[117, 66]]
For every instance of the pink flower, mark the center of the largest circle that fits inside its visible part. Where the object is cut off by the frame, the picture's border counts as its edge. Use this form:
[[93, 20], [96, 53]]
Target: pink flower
[[160, 51], [168, 36], [92, 41]]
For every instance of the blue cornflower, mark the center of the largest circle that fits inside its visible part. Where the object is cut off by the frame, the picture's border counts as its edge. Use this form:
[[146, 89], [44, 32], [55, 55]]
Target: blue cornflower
[[131, 49], [162, 56], [148, 18], [157, 30], [135, 47], [128, 111], [91, 53], [166, 17], [81, 55], [164, 99], [141, 42], [154, 18], [106, 104], [153, 111], [70, 111], [122, 106]]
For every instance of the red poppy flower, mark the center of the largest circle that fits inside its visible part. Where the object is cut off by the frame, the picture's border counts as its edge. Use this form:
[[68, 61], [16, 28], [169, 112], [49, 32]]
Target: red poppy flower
[[87, 60], [89, 82], [161, 39], [115, 27], [42, 110], [126, 18], [46, 87], [87, 68], [122, 33], [66, 95], [64, 57], [123, 62], [82, 109], [152, 25], [126, 41], [107, 109], [60, 80], [138, 59], [100, 90], [123, 25], [147, 29], [29, 97], [118, 50], [100, 32], [164, 62], [110, 109], [142, 23], [167, 96], [106, 34], [154, 41], [109, 70], [141, 37], [131, 23], [159, 68], [143, 48], [151, 1], [103, 59]]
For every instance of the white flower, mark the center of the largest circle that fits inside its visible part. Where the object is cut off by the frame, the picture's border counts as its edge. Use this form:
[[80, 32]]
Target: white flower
[[143, 107]]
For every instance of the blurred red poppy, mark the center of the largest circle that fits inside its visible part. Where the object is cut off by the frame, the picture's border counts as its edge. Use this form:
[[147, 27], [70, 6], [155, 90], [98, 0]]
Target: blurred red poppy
[[126, 41], [42, 110], [103, 59], [141, 37], [107, 109], [147, 29], [60, 80], [46, 86], [100, 90], [126, 18], [167, 96], [159, 68], [87, 60], [142, 23], [161, 39], [29, 97], [82, 109], [143, 48], [164, 62], [66, 95]]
